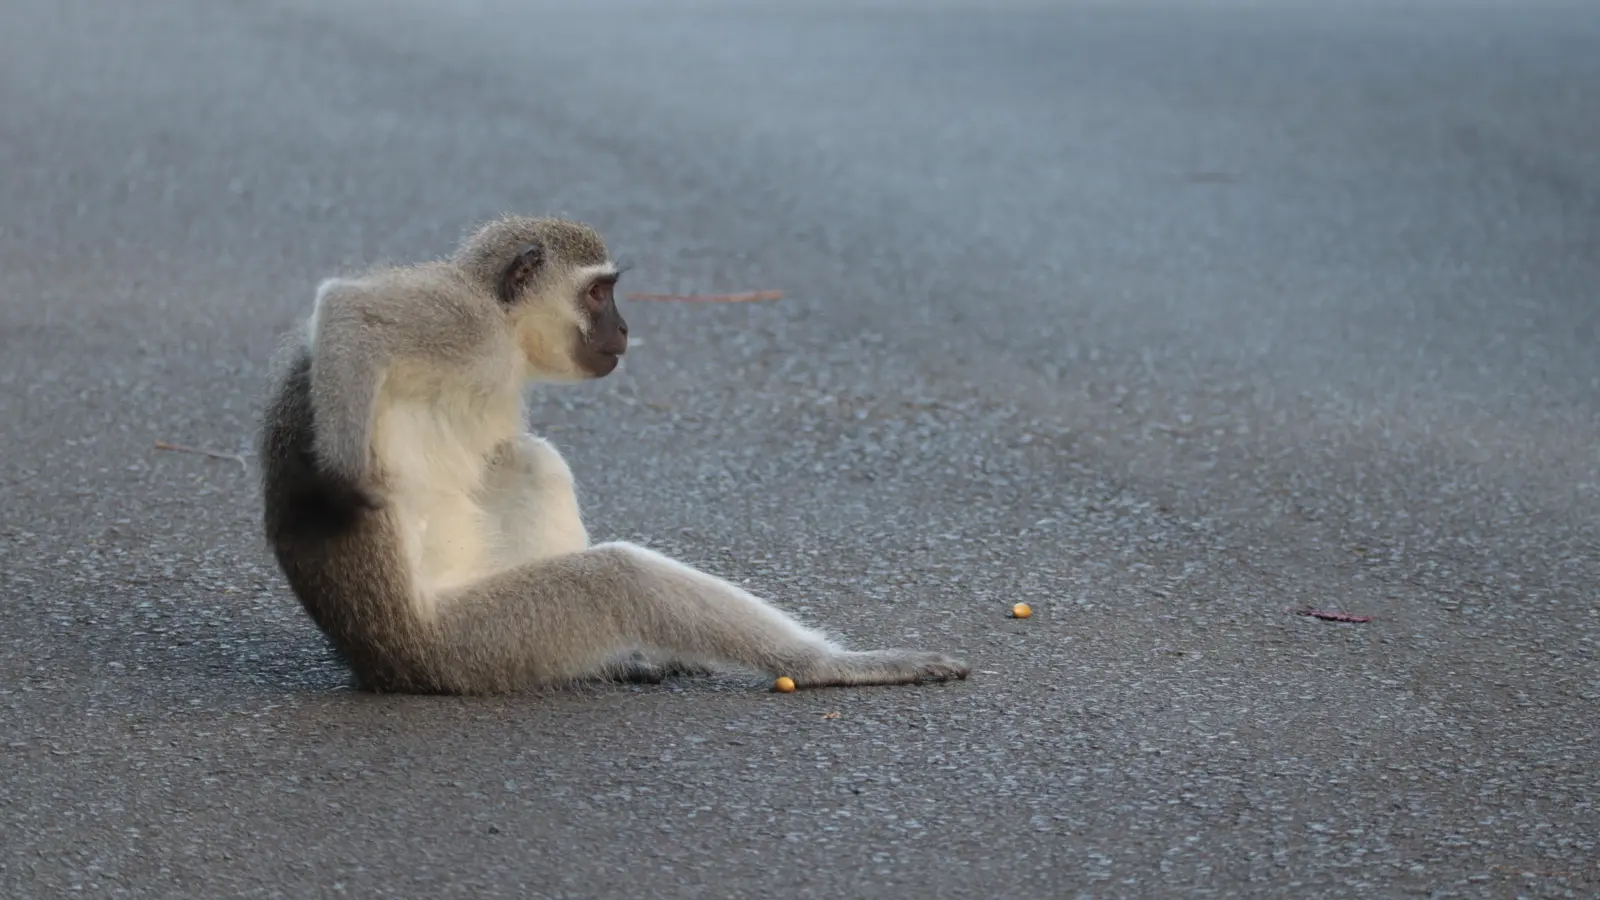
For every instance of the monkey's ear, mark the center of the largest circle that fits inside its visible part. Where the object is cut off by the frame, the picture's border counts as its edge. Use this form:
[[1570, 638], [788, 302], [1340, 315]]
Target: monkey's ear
[[519, 272]]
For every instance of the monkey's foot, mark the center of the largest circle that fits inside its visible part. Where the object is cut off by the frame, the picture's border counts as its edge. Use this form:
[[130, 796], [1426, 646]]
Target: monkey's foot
[[639, 673], [676, 668], [882, 667], [641, 669]]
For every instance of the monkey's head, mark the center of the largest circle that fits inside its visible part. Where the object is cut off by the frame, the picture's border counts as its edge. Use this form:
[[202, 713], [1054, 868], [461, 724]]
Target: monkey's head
[[555, 284]]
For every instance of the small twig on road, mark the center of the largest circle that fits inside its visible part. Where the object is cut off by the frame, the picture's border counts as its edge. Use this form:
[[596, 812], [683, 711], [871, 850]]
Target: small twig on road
[[710, 298], [1328, 616], [214, 454]]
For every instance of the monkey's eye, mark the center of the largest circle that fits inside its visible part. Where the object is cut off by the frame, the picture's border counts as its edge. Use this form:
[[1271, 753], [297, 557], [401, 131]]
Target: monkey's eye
[[599, 293]]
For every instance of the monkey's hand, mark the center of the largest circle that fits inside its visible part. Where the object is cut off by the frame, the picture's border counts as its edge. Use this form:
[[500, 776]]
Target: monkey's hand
[[335, 492], [355, 495], [339, 502]]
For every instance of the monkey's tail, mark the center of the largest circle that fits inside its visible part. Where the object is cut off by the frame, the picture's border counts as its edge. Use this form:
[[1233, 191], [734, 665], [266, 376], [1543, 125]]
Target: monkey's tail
[[338, 547]]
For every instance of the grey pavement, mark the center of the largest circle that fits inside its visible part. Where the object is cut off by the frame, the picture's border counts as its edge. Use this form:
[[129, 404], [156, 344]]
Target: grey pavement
[[1162, 318]]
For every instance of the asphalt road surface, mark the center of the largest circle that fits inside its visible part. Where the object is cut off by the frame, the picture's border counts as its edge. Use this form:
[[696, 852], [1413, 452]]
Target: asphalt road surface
[[1163, 320]]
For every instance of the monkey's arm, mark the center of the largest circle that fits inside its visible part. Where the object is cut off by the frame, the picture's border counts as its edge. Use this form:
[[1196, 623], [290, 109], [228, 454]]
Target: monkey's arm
[[347, 373]]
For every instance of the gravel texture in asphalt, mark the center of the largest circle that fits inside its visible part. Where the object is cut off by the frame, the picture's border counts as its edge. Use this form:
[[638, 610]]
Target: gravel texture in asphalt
[[1162, 319]]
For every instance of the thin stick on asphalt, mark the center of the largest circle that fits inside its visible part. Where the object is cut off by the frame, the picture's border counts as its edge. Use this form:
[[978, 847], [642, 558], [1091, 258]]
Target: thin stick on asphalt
[[1330, 616], [214, 454], [746, 297]]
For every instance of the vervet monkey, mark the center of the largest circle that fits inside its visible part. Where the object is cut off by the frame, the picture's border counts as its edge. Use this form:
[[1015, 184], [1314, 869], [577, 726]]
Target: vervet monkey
[[441, 548]]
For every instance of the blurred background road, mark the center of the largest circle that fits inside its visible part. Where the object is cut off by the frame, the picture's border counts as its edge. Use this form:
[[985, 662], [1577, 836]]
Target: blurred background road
[[1162, 318]]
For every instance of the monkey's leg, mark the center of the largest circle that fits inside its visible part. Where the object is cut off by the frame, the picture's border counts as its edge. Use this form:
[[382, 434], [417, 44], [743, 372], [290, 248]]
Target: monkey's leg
[[530, 488], [570, 616]]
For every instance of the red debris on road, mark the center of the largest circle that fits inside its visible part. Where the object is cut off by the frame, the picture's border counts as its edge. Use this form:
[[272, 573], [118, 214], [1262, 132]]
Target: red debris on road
[[1327, 616]]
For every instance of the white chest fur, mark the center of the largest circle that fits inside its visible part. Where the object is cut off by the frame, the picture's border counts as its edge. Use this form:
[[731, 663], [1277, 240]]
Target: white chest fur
[[434, 449]]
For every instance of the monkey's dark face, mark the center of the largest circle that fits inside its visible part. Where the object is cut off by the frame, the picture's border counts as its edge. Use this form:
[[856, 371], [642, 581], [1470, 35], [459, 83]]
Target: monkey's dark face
[[604, 337], [564, 315]]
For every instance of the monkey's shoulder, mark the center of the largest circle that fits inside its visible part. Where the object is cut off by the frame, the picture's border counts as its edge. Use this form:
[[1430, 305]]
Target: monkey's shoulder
[[428, 303]]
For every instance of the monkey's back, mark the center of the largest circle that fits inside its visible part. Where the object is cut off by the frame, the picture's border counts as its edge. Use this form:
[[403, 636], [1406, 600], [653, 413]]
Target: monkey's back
[[336, 545]]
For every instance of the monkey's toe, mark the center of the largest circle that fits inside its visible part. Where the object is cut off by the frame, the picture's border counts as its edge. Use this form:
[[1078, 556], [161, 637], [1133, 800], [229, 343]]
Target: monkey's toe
[[944, 668], [886, 667], [923, 667]]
